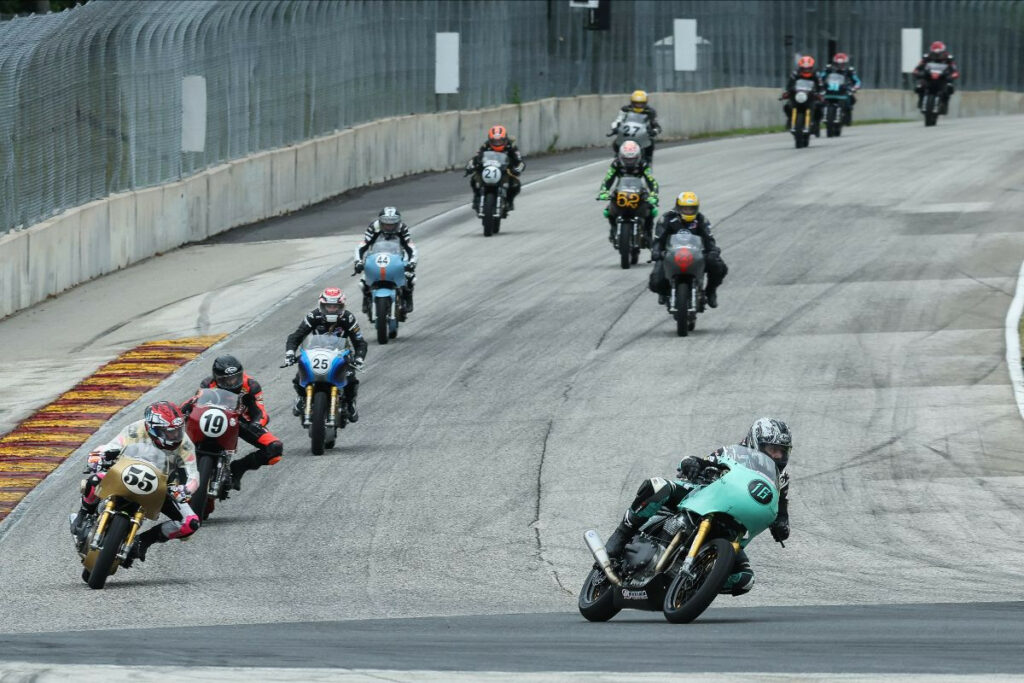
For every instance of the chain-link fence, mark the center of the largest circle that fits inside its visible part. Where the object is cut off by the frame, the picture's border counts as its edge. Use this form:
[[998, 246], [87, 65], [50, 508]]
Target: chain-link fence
[[91, 99]]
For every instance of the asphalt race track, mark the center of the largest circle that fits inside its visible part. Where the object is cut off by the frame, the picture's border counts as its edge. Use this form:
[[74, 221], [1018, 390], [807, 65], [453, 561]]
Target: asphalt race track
[[537, 383]]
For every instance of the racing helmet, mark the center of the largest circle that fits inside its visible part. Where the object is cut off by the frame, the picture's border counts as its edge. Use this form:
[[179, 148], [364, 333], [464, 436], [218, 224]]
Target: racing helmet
[[332, 303], [687, 204], [638, 100], [630, 155], [389, 219], [497, 136], [841, 60], [805, 66], [773, 438], [937, 50], [227, 373], [165, 425]]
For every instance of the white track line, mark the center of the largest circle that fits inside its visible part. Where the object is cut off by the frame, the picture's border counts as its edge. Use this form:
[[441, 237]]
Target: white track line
[[1013, 358]]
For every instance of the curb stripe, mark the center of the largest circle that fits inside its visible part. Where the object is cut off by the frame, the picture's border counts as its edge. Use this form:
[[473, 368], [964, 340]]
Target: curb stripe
[[45, 439]]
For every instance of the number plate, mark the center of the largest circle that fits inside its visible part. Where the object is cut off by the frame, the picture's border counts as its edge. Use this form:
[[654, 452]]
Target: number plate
[[139, 479]]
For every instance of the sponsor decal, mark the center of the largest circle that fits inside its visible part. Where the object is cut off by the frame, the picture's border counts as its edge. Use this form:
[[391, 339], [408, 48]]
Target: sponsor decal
[[760, 491], [634, 595]]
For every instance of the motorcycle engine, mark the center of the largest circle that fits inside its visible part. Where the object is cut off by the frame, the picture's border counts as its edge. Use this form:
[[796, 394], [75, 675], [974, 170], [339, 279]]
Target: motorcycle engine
[[640, 553]]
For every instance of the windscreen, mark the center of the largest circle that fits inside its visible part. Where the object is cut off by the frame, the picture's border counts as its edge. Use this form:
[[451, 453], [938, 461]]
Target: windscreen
[[147, 452], [323, 341], [495, 157], [755, 460], [218, 397]]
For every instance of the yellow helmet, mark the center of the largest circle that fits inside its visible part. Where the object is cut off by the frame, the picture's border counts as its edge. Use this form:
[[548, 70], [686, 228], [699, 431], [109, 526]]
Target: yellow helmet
[[638, 99], [688, 205]]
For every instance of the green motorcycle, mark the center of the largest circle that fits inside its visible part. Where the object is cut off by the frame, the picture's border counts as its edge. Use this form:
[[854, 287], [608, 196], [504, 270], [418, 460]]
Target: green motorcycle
[[679, 560]]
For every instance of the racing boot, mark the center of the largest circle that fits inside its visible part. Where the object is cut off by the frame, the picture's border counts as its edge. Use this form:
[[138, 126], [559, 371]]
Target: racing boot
[[618, 540], [712, 297], [299, 407], [142, 543], [408, 300], [80, 520], [742, 578], [238, 468]]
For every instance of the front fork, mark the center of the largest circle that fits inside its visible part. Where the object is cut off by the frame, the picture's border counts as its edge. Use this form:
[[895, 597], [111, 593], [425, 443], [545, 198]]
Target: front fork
[[101, 525], [334, 407], [130, 538], [309, 405]]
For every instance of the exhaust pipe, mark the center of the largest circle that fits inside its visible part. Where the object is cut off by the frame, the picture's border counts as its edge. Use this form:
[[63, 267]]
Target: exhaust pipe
[[596, 546]]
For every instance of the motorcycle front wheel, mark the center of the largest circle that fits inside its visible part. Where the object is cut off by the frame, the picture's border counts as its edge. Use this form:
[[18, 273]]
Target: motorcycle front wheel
[[687, 598], [114, 536], [682, 313], [597, 603], [491, 223], [382, 308], [206, 467], [625, 244], [318, 422]]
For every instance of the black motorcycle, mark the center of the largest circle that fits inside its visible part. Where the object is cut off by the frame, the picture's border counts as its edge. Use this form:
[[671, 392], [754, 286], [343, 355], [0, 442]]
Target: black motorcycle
[[935, 84], [632, 230]]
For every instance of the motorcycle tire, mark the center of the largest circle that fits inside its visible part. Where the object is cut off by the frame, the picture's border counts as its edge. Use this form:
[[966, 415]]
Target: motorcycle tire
[[634, 256], [930, 119], [382, 307], [625, 245], [318, 422], [206, 468], [682, 313], [681, 607], [114, 536], [597, 601], [491, 223]]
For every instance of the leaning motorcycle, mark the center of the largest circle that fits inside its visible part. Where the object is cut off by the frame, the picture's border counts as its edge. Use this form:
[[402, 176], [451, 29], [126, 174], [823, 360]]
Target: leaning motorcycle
[[494, 197], [801, 115], [323, 374], [837, 104], [935, 84], [133, 489], [384, 274], [213, 428], [631, 233], [635, 127], [680, 559], [683, 264]]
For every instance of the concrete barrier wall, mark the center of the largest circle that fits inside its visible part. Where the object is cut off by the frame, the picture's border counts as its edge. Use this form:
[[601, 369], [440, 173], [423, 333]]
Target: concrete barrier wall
[[111, 233]]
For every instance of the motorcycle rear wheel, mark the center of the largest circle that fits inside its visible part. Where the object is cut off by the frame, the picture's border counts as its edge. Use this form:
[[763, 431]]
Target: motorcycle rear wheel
[[318, 420], [382, 308], [597, 603], [114, 536], [713, 565], [682, 313]]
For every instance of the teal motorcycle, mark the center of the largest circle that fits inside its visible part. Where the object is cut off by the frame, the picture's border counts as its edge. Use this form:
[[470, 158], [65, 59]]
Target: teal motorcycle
[[680, 559]]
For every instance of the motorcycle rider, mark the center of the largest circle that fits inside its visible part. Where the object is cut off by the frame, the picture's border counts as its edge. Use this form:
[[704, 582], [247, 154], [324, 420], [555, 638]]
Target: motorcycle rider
[[840, 64], [164, 426], [936, 53], [389, 225], [768, 435], [629, 162], [227, 373], [687, 216], [804, 71], [498, 140], [330, 317], [638, 105]]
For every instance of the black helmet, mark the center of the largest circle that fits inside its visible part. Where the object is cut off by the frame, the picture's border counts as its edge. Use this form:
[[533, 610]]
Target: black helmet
[[389, 219], [767, 431], [227, 373]]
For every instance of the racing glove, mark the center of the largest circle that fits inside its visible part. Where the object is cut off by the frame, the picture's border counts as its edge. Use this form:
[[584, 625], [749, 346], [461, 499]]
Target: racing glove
[[603, 196], [359, 267], [780, 531], [689, 468], [289, 358]]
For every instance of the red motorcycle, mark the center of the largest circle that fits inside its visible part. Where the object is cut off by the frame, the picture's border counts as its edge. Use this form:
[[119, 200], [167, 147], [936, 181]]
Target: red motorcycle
[[213, 427]]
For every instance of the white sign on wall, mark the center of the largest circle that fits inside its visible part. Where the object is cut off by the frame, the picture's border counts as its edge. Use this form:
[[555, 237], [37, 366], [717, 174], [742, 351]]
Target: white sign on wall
[[684, 40], [193, 114], [911, 42], [446, 63]]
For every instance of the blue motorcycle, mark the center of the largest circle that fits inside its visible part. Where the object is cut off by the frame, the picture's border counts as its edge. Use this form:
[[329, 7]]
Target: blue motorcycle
[[324, 364], [837, 104], [384, 275]]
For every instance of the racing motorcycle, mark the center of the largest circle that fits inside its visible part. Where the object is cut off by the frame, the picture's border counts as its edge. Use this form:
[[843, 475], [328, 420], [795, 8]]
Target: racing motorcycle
[[634, 127], [683, 264], [801, 115], [631, 230], [837, 104], [323, 372], [494, 198], [680, 559], [213, 427], [384, 274], [133, 489], [935, 83]]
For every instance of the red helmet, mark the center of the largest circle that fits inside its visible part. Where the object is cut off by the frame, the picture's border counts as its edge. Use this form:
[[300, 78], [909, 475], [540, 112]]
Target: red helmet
[[938, 49], [332, 303], [805, 65], [497, 136], [841, 59], [165, 425]]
